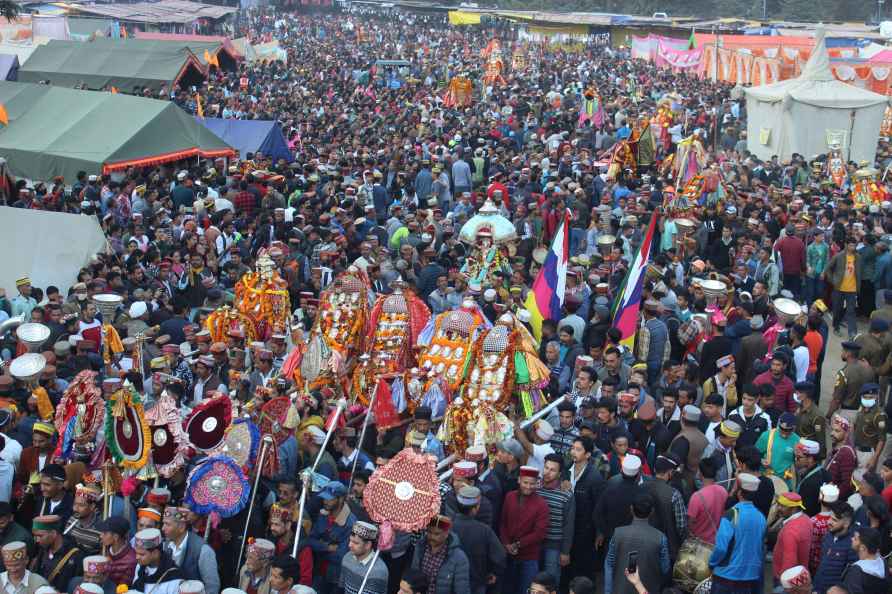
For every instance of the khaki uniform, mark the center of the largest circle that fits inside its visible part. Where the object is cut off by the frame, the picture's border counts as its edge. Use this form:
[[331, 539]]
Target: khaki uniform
[[874, 350], [883, 313], [812, 425], [849, 380], [869, 430]]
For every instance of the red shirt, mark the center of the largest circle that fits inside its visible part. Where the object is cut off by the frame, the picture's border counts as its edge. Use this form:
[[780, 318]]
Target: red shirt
[[792, 252], [783, 390], [815, 342], [793, 544], [525, 523], [705, 511]]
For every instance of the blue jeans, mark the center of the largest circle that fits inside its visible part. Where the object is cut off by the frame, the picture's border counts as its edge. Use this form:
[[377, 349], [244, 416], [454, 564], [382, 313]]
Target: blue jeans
[[848, 301], [519, 575], [577, 237], [551, 562], [814, 289]]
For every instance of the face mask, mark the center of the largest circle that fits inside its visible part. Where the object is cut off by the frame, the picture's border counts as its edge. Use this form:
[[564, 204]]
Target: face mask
[[797, 399], [868, 402]]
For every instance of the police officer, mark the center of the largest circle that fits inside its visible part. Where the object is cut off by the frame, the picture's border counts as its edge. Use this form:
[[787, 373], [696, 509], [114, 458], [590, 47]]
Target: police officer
[[849, 379], [810, 423], [870, 430], [875, 347]]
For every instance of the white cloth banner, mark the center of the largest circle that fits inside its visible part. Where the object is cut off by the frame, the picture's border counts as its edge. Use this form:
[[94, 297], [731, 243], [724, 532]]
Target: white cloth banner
[[49, 247]]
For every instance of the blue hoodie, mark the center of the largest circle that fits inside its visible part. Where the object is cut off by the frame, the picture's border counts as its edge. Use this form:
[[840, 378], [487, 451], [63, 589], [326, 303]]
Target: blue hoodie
[[746, 525]]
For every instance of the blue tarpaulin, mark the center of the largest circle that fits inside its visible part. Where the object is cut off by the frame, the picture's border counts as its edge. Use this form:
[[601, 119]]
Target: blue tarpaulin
[[251, 136]]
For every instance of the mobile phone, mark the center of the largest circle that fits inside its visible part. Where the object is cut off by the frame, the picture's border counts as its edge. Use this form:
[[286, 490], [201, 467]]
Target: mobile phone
[[632, 564]]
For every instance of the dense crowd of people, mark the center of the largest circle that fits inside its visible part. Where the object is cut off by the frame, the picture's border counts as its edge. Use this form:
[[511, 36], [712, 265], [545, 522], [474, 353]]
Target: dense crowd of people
[[712, 440]]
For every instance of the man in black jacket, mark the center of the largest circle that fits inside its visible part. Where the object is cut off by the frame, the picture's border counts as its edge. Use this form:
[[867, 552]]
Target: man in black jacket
[[868, 574], [155, 569], [483, 548], [587, 483]]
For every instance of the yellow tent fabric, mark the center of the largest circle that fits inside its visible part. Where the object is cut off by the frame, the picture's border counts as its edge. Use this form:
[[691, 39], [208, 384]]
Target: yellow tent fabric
[[460, 17]]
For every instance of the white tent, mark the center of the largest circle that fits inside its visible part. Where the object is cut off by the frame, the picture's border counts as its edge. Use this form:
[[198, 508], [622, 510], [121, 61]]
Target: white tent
[[803, 115]]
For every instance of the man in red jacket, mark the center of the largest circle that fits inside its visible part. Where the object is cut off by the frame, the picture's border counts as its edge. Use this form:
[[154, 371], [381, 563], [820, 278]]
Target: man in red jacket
[[523, 528], [792, 253], [794, 539]]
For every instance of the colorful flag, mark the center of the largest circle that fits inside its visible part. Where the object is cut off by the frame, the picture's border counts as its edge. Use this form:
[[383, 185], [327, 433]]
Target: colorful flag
[[4, 117], [199, 108], [626, 312], [544, 301]]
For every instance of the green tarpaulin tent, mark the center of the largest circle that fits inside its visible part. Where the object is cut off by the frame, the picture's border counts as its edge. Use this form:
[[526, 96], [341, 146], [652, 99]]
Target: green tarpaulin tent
[[54, 131], [102, 65]]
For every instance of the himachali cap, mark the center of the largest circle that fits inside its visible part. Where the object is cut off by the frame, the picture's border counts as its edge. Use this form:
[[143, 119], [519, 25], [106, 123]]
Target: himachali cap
[[725, 361], [445, 522], [464, 469], [748, 482], [829, 493], [52, 522], [149, 512], [365, 530], [468, 495], [691, 413], [231, 591], [96, 564], [808, 447], [796, 577], [46, 429], [529, 471], [842, 422], [790, 499], [475, 453], [262, 548], [150, 538], [89, 493], [88, 588], [158, 496], [631, 465], [191, 587], [46, 590], [280, 513], [730, 429], [15, 551], [177, 514]]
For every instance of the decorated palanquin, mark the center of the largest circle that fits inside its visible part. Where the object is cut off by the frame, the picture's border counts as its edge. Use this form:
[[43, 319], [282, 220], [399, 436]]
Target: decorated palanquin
[[622, 157], [836, 166], [490, 237], [705, 188], [79, 417], [220, 321], [395, 323], [503, 371], [519, 59], [446, 342], [494, 66], [644, 143], [262, 296], [459, 93], [591, 108], [865, 189], [663, 120], [690, 159], [336, 339]]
